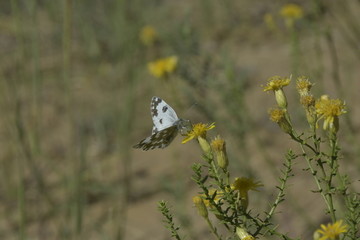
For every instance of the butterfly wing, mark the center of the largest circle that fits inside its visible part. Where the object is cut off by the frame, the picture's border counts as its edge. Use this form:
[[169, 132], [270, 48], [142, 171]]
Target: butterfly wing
[[160, 139], [162, 114]]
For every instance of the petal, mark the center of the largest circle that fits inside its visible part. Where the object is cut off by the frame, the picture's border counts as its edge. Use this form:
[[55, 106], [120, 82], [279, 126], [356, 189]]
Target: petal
[[188, 138]]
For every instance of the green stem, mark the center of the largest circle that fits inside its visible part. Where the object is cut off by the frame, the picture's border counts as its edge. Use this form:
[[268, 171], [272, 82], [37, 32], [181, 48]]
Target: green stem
[[212, 228], [280, 196], [327, 195], [272, 231], [333, 167]]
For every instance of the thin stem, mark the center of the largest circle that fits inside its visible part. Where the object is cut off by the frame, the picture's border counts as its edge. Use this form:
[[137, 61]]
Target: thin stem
[[272, 231], [326, 196], [302, 142], [280, 196], [314, 173], [212, 228], [333, 167]]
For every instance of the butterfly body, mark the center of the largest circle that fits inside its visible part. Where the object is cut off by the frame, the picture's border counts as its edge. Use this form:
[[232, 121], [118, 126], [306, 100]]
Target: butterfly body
[[166, 126]]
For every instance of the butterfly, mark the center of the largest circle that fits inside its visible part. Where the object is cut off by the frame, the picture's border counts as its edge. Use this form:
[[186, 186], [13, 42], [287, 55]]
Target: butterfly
[[166, 126]]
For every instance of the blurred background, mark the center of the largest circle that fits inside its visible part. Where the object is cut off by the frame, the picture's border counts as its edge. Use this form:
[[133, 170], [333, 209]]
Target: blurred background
[[76, 82]]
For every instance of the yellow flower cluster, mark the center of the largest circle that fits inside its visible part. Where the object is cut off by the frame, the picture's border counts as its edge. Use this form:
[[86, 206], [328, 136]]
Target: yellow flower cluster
[[323, 108], [163, 67]]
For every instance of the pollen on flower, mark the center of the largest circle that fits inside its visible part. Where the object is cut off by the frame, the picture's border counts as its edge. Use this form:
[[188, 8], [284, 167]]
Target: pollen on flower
[[329, 109], [218, 144], [163, 67], [276, 83], [292, 11], [303, 85], [331, 231], [307, 100], [245, 184], [198, 130], [277, 114], [148, 35]]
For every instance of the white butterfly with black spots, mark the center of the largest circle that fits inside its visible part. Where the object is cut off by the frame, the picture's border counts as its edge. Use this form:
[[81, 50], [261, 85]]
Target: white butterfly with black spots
[[166, 126]]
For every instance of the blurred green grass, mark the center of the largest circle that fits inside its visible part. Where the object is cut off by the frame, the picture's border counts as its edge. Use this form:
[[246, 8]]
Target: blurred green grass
[[75, 95]]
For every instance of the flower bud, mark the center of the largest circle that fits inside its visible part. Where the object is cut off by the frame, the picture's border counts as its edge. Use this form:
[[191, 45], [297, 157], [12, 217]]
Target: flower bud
[[205, 146], [200, 205], [279, 116], [243, 234], [316, 235], [219, 147], [281, 98], [303, 85], [334, 126], [244, 199], [311, 117]]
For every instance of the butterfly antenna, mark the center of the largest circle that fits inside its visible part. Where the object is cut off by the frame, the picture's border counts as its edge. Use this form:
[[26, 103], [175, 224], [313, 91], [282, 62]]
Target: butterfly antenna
[[189, 108]]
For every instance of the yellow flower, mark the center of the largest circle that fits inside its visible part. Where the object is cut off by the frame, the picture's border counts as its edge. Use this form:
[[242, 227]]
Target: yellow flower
[[244, 185], [276, 84], [217, 197], [198, 130], [278, 115], [148, 35], [303, 85], [163, 67], [307, 101], [292, 11], [269, 21], [219, 147], [218, 144], [331, 231], [330, 109]]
